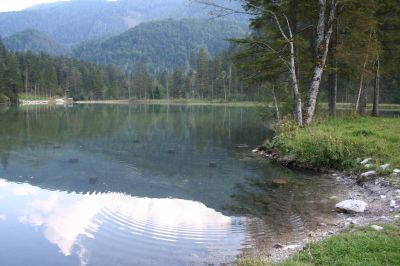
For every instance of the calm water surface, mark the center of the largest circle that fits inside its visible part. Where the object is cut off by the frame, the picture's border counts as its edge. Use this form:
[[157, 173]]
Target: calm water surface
[[145, 185]]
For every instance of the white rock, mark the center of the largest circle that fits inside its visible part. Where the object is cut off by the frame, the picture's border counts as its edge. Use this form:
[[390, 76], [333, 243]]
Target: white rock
[[255, 151], [384, 167], [377, 227], [352, 206], [369, 165], [396, 171], [383, 196], [392, 204], [289, 247], [365, 161], [369, 174]]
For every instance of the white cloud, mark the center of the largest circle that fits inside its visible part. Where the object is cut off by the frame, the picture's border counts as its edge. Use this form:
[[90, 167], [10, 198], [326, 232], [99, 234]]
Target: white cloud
[[16, 5]]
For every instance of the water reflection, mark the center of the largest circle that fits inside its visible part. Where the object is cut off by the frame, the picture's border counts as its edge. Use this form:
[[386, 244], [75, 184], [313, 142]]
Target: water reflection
[[132, 185], [77, 224]]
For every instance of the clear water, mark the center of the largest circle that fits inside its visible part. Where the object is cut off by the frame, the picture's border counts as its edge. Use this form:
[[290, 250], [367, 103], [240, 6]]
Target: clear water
[[145, 185]]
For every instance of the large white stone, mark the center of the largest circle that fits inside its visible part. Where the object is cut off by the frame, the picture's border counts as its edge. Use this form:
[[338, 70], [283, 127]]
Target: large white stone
[[369, 174], [377, 227], [352, 206], [396, 171], [365, 161], [384, 167]]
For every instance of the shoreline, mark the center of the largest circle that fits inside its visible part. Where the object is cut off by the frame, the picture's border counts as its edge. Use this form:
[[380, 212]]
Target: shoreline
[[377, 193]]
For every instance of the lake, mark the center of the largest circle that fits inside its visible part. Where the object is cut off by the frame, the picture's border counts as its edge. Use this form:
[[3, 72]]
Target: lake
[[146, 185]]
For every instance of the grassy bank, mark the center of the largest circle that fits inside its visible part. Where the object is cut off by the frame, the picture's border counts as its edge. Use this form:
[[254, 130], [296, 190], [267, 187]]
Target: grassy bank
[[341, 143], [362, 246]]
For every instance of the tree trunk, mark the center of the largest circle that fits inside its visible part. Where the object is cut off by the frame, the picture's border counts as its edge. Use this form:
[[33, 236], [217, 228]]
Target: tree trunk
[[278, 115], [375, 108], [333, 80], [322, 45], [361, 90], [298, 114]]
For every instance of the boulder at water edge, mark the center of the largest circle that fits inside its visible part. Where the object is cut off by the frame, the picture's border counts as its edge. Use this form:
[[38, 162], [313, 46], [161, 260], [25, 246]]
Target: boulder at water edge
[[351, 206]]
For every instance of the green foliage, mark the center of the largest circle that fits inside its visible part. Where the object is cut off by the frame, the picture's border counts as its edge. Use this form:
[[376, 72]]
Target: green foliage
[[71, 22], [338, 143], [362, 246], [34, 41], [161, 44]]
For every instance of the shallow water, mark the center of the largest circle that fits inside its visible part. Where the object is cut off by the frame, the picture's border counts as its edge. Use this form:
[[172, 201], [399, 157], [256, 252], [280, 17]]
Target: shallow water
[[146, 185]]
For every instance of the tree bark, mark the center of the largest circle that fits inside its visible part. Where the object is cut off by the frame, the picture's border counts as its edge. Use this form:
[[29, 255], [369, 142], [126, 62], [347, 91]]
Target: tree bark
[[298, 113], [333, 79], [278, 115], [322, 44], [375, 108], [361, 90]]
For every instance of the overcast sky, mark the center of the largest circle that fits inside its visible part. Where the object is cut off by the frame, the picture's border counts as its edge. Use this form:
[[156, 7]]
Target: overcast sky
[[16, 5]]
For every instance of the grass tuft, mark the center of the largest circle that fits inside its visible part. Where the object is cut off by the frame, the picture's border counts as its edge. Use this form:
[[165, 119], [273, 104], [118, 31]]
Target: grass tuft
[[339, 143]]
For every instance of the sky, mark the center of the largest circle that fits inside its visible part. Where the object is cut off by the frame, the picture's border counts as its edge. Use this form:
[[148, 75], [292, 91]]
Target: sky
[[16, 5]]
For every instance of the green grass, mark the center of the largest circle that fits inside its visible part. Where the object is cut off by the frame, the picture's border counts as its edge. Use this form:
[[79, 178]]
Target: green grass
[[339, 143], [365, 246]]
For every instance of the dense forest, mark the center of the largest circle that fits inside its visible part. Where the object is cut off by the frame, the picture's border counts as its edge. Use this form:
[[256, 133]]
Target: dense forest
[[35, 42], [43, 75], [161, 44], [75, 21], [205, 77]]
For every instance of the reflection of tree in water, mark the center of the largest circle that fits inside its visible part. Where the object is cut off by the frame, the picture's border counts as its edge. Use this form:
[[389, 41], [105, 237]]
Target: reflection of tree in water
[[126, 147], [286, 213]]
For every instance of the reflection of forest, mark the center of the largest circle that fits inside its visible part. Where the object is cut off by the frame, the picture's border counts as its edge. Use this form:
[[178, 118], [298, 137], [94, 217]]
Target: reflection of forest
[[127, 148]]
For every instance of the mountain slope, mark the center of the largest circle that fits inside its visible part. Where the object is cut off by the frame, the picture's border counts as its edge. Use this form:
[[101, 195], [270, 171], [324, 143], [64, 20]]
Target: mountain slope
[[161, 44], [34, 41], [75, 21]]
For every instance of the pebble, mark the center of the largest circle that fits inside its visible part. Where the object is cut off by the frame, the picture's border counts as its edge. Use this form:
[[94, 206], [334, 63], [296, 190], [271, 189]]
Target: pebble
[[369, 174], [291, 247], [392, 204], [384, 167], [377, 227], [383, 196], [365, 161]]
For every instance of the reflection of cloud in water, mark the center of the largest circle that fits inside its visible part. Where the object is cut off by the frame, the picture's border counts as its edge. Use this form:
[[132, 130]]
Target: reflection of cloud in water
[[66, 218]]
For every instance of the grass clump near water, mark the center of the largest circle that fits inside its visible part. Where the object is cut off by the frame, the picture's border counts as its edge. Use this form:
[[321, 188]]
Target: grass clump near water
[[341, 143], [363, 246]]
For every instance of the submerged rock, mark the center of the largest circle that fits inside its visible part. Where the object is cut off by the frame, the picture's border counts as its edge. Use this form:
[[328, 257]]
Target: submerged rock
[[93, 180], [73, 160], [56, 146], [280, 182], [212, 164], [351, 206], [171, 151]]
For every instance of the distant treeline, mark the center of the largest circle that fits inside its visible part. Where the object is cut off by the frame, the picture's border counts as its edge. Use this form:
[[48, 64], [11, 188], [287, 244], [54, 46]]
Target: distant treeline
[[44, 75]]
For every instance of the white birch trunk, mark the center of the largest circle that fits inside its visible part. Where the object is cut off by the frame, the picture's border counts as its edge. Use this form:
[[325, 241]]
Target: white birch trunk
[[323, 39]]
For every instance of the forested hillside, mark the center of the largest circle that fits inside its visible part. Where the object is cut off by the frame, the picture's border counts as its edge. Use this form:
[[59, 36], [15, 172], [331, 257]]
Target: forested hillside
[[72, 22], [34, 41], [43, 75], [161, 44]]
